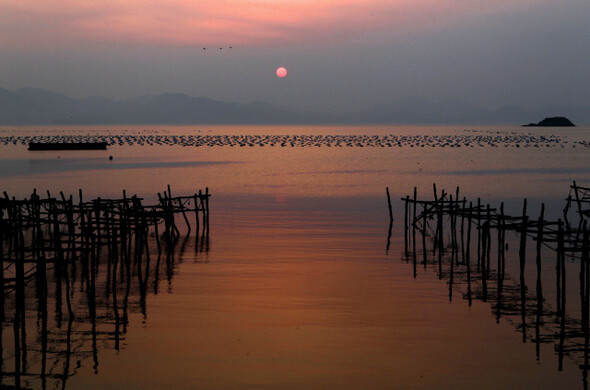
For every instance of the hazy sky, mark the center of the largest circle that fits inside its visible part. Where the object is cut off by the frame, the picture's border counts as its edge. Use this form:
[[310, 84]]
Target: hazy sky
[[341, 55]]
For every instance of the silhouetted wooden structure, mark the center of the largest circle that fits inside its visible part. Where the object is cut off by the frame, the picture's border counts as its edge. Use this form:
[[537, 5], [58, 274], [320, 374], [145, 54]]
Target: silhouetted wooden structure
[[83, 259], [456, 237]]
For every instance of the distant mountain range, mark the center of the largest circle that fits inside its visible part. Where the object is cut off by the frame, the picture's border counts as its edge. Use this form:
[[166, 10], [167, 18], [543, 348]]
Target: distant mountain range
[[29, 106]]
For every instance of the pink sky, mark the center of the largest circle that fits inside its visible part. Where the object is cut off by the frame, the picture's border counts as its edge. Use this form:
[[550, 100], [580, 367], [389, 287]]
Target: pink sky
[[38, 24], [341, 54]]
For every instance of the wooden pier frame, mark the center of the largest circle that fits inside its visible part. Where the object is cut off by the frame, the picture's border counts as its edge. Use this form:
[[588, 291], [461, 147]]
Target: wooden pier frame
[[51, 248], [536, 318]]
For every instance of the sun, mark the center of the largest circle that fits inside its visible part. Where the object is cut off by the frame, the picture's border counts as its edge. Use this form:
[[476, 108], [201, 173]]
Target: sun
[[281, 72]]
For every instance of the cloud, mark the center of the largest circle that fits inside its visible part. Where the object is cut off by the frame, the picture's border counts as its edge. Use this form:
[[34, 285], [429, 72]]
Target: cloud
[[45, 24]]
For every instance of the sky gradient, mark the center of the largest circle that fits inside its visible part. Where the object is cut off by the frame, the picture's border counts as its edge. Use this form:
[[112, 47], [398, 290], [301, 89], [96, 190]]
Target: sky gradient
[[341, 55]]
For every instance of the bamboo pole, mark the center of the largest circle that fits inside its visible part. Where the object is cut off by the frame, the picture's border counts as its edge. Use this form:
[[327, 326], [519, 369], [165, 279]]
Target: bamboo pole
[[389, 205]]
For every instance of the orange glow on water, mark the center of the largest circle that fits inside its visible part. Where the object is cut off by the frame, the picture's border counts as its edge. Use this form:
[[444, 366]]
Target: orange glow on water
[[298, 290]]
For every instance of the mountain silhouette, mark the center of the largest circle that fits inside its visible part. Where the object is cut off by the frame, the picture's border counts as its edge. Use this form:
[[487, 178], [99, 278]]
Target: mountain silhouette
[[31, 106]]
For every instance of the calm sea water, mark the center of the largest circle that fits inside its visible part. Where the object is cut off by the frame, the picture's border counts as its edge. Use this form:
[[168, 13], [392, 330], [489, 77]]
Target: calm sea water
[[298, 285]]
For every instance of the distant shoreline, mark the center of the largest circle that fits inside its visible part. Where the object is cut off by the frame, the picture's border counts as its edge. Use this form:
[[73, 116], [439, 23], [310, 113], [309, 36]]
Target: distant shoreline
[[37, 107]]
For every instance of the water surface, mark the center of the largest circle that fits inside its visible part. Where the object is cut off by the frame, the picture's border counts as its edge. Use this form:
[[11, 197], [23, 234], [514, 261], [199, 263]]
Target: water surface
[[297, 286]]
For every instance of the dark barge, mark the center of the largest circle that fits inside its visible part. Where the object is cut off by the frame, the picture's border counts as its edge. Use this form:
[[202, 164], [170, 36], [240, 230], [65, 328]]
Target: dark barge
[[67, 145]]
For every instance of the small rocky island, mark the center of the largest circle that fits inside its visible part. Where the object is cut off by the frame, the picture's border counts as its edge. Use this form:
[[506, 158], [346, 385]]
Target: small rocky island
[[556, 121]]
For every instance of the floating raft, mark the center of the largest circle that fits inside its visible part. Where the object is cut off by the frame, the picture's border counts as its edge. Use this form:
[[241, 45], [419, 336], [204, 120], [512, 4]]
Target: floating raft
[[67, 145]]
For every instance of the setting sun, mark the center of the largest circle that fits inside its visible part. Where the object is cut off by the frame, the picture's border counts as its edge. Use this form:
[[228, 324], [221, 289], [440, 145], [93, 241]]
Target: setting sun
[[281, 72]]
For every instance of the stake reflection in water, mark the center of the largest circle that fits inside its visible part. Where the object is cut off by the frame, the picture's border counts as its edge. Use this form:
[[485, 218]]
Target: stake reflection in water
[[72, 273], [566, 327]]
